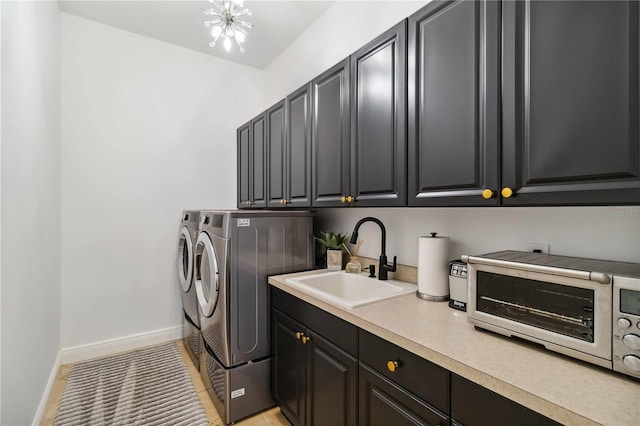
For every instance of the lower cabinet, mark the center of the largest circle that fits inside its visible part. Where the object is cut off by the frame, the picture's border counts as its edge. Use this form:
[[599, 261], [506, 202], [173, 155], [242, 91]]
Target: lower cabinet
[[315, 382], [327, 371], [383, 402]]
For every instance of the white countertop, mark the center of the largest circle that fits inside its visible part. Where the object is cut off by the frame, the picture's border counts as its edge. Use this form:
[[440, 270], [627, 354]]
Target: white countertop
[[569, 391]]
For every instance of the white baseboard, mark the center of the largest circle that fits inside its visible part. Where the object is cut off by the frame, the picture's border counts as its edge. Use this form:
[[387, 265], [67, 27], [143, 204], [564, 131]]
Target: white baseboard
[[120, 344], [47, 390]]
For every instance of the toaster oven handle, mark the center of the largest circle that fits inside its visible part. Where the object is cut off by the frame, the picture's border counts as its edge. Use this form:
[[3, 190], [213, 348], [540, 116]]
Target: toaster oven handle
[[598, 277]]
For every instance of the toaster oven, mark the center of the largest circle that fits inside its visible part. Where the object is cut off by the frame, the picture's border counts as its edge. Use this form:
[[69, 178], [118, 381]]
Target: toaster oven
[[585, 308]]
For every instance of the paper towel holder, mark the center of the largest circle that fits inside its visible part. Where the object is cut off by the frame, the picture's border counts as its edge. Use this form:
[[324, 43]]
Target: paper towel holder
[[438, 296]]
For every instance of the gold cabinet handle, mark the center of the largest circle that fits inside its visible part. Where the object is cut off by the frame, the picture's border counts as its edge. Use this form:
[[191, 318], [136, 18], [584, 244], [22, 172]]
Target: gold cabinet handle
[[487, 193], [506, 192], [306, 339], [392, 365], [349, 199], [282, 201], [299, 335], [343, 199]]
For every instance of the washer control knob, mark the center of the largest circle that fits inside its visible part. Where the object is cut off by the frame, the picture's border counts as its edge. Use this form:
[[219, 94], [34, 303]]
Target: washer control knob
[[624, 322], [631, 363], [632, 341]]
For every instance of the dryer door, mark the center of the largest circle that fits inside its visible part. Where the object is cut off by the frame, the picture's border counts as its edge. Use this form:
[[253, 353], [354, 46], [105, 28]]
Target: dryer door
[[207, 275], [185, 259]]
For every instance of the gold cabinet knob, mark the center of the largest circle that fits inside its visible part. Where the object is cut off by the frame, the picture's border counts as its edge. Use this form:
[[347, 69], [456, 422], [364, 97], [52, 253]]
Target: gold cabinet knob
[[487, 193], [299, 335], [343, 199], [392, 365], [349, 199], [506, 192], [281, 201], [306, 339]]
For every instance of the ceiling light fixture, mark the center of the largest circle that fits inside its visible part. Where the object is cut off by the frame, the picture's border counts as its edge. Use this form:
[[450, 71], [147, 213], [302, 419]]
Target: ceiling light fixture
[[226, 23]]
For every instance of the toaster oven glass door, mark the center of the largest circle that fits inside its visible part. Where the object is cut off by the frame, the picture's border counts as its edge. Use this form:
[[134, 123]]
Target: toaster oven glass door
[[554, 307]]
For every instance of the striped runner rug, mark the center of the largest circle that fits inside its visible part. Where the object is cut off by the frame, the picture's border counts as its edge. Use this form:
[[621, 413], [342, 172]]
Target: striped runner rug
[[146, 387]]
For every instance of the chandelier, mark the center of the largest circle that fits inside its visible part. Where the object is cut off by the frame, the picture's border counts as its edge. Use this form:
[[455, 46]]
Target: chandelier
[[226, 22]]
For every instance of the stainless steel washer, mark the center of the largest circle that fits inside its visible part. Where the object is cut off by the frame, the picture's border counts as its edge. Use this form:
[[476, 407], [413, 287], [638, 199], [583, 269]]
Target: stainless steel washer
[[235, 253]]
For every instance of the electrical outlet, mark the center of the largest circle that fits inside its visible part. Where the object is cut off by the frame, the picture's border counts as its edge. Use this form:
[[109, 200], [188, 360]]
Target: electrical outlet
[[542, 248]]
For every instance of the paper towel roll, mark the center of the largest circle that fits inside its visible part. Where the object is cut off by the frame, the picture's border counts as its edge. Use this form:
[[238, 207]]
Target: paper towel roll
[[433, 268]]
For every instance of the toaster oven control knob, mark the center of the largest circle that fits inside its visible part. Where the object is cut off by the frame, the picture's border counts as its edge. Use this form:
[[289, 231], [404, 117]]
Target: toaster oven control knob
[[631, 363], [624, 323], [632, 341]]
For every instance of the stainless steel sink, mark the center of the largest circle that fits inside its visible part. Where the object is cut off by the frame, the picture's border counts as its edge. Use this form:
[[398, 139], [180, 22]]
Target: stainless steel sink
[[350, 290]]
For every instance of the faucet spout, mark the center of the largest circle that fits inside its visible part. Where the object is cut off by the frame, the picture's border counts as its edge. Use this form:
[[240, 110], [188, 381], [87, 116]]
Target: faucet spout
[[383, 268]]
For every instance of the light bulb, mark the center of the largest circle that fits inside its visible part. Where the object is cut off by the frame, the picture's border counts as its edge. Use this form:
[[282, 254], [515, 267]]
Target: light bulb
[[216, 31], [240, 37], [227, 44]]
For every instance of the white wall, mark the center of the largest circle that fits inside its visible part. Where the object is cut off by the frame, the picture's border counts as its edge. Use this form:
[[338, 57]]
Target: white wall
[[30, 218], [601, 232], [148, 129], [340, 31]]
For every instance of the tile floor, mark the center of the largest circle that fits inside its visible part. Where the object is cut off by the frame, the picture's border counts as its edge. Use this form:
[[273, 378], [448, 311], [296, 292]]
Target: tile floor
[[272, 417]]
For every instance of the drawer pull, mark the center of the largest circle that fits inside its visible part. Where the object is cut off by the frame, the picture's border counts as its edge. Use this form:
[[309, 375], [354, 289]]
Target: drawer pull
[[392, 365], [299, 335], [487, 193], [306, 339], [343, 199]]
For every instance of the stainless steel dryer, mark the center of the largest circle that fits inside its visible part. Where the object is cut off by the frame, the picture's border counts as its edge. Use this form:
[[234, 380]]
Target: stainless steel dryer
[[186, 246], [235, 253]]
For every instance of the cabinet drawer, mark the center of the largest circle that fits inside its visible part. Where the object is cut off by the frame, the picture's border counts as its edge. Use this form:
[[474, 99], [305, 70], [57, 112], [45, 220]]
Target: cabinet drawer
[[338, 331], [472, 404], [419, 376]]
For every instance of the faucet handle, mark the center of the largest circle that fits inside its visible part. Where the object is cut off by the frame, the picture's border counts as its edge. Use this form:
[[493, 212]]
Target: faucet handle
[[390, 268]]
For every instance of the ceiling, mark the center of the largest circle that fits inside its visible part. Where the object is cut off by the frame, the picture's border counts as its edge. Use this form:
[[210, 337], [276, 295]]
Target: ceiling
[[275, 24]]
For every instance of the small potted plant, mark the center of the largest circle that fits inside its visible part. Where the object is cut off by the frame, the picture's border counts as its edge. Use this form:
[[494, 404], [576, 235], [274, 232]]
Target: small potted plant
[[333, 242]]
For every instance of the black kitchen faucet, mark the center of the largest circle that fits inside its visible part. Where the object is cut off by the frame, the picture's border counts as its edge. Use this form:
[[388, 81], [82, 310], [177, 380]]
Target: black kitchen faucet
[[383, 268]]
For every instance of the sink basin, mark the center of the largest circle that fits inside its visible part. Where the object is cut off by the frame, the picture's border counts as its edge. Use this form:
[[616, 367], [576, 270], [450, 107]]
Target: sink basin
[[350, 290]]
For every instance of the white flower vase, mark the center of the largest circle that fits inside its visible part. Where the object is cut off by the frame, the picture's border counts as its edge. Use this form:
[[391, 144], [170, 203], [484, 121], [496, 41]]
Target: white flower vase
[[334, 260]]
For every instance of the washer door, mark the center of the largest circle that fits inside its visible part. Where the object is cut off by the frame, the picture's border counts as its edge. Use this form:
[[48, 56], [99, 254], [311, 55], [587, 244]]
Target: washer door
[[185, 259], [207, 276]]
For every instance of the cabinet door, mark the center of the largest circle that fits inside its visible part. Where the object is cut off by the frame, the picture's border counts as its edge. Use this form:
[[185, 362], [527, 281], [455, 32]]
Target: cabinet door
[[570, 93], [332, 384], [276, 171], [473, 405], [453, 117], [288, 378], [384, 403], [378, 120], [330, 131], [258, 151], [244, 165], [298, 136]]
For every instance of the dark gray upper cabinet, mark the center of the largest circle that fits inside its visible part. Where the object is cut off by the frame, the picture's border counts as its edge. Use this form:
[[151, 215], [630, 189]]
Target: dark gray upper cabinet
[[453, 110], [276, 155], [298, 142], [251, 163], [330, 132], [570, 93], [378, 120], [289, 151], [244, 169]]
